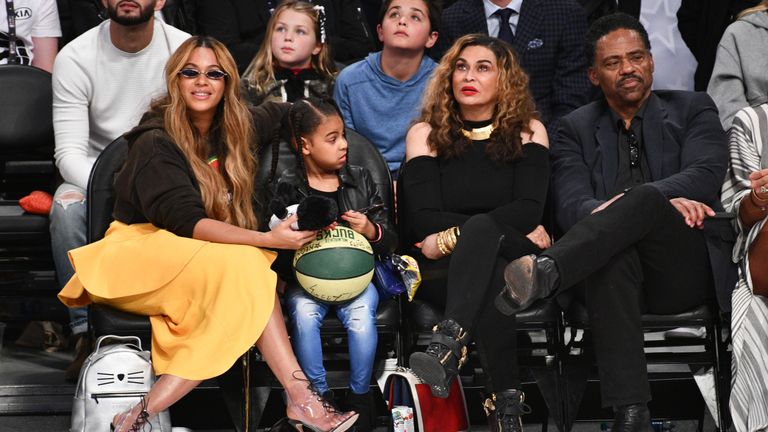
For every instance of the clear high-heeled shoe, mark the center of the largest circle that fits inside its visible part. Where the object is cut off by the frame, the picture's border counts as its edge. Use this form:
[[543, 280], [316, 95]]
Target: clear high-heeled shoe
[[132, 420], [316, 414]]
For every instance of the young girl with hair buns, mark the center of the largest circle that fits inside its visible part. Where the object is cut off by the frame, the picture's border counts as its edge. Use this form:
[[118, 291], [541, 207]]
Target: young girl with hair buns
[[317, 132], [294, 60]]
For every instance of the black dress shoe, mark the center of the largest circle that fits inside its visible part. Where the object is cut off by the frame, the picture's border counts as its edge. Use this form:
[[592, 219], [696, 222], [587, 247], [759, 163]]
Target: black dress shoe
[[505, 409], [527, 279], [631, 418], [445, 355]]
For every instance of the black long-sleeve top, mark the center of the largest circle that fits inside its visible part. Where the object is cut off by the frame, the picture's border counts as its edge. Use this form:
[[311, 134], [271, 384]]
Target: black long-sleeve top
[[440, 193], [156, 183]]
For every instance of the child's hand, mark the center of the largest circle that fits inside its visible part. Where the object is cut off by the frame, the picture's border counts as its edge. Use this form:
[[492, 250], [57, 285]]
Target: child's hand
[[360, 223]]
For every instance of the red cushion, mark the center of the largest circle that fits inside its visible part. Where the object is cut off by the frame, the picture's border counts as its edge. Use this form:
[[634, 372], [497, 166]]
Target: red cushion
[[37, 202]]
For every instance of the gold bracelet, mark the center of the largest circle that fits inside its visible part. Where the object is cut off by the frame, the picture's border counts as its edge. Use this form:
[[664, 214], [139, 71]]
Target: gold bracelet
[[451, 238], [454, 236], [447, 239], [441, 245]]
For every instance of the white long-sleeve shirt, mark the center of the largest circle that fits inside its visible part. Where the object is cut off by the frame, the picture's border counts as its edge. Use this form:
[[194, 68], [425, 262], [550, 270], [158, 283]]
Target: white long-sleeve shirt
[[100, 92]]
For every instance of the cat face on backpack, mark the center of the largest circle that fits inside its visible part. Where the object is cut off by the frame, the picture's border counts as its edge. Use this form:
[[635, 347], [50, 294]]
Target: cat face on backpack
[[109, 378]]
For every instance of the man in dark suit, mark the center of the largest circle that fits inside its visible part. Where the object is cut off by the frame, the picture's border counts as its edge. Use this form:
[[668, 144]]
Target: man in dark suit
[[547, 36], [637, 177]]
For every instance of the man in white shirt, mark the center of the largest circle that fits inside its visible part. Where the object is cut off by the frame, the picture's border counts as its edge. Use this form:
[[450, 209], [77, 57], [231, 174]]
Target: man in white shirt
[[103, 82], [36, 32]]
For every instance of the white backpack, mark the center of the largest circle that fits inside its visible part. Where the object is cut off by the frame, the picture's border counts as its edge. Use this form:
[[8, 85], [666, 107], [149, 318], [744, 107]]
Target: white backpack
[[112, 380]]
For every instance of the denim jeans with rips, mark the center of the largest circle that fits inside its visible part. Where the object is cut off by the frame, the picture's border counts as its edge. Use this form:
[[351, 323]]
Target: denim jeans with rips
[[68, 231], [359, 318]]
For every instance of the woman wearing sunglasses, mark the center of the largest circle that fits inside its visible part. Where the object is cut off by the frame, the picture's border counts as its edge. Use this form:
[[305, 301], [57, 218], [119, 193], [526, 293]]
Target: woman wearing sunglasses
[[184, 249]]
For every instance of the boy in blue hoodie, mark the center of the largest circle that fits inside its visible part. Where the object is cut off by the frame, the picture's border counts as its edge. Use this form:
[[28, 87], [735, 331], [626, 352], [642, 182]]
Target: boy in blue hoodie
[[380, 96]]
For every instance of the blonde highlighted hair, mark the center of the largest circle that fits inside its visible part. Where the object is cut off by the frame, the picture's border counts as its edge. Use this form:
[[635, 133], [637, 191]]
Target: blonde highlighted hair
[[762, 7], [261, 72], [227, 194], [514, 109]]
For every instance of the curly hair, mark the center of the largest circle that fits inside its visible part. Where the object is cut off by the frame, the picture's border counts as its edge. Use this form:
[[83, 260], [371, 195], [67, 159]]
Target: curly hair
[[261, 70], [232, 127], [514, 109]]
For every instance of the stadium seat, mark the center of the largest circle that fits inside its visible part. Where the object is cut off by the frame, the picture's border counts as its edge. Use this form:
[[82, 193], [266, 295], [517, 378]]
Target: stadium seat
[[26, 164], [27, 275], [710, 351]]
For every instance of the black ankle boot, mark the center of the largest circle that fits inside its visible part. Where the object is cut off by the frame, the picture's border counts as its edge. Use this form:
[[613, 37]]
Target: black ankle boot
[[445, 355], [504, 410], [330, 398], [527, 279], [361, 404], [631, 418]]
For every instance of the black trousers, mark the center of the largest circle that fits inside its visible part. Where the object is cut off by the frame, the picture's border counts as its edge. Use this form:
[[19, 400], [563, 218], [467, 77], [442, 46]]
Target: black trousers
[[636, 256], [474, 274]]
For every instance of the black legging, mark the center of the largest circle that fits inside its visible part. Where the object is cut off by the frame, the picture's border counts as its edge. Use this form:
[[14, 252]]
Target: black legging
[[475, 275]]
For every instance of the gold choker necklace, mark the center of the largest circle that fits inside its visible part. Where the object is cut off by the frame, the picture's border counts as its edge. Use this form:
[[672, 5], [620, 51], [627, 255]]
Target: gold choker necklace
[[478, 134]]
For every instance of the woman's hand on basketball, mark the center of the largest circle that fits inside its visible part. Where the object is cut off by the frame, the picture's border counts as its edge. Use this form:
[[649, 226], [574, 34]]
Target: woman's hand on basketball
[[360, 223], [285, 237], [429, 247], [540, 237]]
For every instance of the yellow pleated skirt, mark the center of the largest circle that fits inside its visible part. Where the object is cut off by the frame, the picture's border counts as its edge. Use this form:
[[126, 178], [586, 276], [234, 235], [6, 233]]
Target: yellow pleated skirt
[[207, 302]]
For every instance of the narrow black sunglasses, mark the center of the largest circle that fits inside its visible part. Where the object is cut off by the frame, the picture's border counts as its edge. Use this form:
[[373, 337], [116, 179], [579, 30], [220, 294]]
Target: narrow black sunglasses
[[213, 74]]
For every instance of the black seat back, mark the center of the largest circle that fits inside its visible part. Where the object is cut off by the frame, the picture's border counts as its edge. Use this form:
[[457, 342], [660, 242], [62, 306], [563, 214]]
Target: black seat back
[[101, 191], [26, 164], [360, 152], [26, 131], [26, 111]]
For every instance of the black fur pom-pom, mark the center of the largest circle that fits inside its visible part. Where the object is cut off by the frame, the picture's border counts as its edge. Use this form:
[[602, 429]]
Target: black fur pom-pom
[[316, 212], [284, 196]]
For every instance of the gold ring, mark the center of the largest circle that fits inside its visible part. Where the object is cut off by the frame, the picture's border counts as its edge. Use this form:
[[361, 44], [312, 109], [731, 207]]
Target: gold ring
[[763, 189]]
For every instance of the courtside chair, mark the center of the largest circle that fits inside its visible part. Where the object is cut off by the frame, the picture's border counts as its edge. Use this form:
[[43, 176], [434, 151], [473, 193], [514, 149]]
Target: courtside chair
[[26, 164], [27, 274], [710, 351]]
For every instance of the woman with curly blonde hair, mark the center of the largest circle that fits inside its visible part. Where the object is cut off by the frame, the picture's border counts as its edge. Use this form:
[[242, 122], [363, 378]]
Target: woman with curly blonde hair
[[473, 190], [183, 248]]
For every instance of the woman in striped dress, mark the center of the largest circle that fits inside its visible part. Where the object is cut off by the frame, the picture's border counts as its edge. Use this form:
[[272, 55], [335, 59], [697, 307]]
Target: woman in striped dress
[[745, 193]]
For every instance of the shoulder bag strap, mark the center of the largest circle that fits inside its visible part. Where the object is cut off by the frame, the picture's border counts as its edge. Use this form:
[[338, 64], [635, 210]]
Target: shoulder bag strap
[[12, 50]]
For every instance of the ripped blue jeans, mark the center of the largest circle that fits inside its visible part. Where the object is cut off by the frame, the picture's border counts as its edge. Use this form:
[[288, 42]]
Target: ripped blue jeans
[[358, 317], [68, 231]]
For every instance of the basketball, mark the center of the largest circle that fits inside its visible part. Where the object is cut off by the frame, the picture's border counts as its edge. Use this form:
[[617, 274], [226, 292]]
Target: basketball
[[335, 267]]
